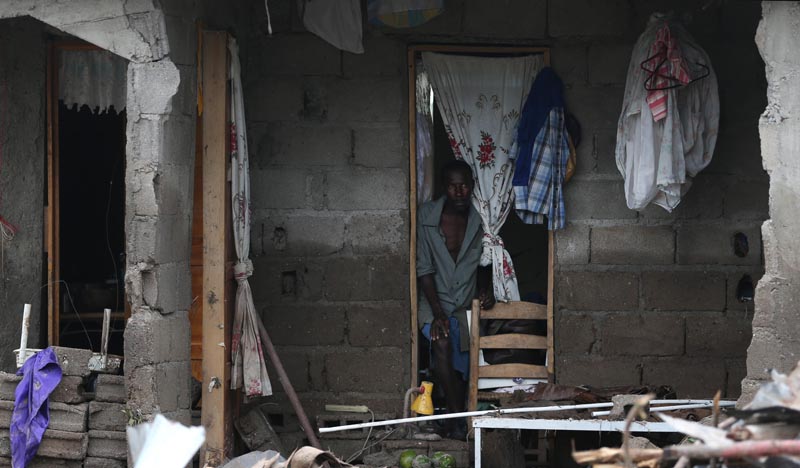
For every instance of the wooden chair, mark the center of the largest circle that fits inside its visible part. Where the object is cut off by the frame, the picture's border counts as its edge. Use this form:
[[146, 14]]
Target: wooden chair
[[511, 310]]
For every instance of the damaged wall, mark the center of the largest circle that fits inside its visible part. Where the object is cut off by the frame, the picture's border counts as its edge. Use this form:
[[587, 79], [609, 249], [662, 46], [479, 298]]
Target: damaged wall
[[642, 297], [22, 180], [776, 331]]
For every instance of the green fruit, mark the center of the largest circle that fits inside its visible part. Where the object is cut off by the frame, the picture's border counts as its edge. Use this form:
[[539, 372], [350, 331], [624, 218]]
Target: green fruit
[[407, 458], [447, 461], [422, 462]]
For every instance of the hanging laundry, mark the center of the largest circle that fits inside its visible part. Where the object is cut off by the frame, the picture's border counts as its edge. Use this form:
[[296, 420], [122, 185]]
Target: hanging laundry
[[336, 21], [659, 155], [542, 154], [403, 13], [41, 374]]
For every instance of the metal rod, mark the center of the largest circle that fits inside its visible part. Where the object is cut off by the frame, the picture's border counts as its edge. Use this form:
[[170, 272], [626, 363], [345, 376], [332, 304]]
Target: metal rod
[[104, 338], [266, 342]]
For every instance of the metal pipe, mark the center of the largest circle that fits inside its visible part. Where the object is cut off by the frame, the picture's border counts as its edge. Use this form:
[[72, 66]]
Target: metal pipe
[[673, 407], [287, 386]]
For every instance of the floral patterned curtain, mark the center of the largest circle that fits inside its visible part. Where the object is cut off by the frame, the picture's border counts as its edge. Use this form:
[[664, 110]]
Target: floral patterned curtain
[[480, 100], [248, 367]]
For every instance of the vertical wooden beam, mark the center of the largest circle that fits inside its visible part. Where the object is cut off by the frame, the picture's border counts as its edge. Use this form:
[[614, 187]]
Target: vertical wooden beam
[[52, 238], [551, 355], [216, 415], [412, 209]]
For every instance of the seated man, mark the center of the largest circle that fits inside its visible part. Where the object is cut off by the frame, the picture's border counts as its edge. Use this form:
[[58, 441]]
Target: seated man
[[449, 248]]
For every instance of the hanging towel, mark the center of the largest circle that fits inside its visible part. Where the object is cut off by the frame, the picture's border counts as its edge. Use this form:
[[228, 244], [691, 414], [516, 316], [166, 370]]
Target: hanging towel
[[542, 154], [40, 376], [336, 21], [668, 68]]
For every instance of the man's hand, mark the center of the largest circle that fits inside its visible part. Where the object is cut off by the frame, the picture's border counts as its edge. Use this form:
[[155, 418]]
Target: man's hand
[[487, 298], [440, 328]]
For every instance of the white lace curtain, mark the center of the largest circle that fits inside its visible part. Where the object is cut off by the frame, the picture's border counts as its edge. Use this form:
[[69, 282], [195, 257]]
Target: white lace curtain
[[248, 367], [480, 99], [96, 78]]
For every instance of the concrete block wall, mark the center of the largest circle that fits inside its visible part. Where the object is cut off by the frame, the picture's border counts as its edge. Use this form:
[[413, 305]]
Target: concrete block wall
[[641, 297], [22, 180]]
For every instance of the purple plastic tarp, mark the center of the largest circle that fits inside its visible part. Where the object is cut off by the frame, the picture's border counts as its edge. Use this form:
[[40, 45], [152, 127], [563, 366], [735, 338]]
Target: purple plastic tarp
[[40, 376]]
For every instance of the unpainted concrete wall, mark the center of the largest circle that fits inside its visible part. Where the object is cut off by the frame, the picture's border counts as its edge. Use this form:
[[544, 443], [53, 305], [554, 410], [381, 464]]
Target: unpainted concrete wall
[[22, 180], [641, 297], [776, 330]]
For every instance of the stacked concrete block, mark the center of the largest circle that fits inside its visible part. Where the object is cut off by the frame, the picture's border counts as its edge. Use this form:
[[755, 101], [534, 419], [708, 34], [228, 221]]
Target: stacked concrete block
[[85, 429]]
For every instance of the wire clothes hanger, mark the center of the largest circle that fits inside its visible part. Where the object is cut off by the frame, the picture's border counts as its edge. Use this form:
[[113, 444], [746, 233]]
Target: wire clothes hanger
[[672, 80]]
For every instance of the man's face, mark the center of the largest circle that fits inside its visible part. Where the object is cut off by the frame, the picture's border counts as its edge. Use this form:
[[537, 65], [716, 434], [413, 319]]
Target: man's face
[[459, 190]]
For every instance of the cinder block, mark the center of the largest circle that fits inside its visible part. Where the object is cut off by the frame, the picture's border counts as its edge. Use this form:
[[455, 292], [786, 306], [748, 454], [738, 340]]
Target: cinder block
[[95, 462], [8, 385], [377, 325], [279, 188], [308, 325], [570, 63], [182, 39], [637, 334], [55, 444], [314, 235], [110, 388], [603, 143], [108, 444], [717, 335], [683, 290], [69, 418], [595, 109], [492, 19], [591, 199], [284, 95], [152, 338], [107, 416], [388, 278], [161, 78], [690, 377], [70, 390], [584, 290], [587, 18], [608, 63], [733, 304], [597, 371], [737, 371], [159, 388], [305, 146], [297, 54], [295, 363], [366, 100], [73, 361], [380, 147], [738, 150], [379, 233], [383, 56], [367, 189], [714, 245], [575, 334], [572, 245], [636, 245], [271, 273], [747, 200], [379, 369], [43, 462]]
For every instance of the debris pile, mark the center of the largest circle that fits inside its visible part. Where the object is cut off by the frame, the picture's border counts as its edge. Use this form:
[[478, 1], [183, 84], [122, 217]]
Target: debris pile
[[763, 433], [86, 429]]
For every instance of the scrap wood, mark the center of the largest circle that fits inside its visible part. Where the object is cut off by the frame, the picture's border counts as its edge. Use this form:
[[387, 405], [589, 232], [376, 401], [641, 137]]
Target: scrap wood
[[748, 449], [614, 455]]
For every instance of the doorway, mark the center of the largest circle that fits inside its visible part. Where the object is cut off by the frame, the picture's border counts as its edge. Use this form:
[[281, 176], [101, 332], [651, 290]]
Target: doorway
[[85, 230]]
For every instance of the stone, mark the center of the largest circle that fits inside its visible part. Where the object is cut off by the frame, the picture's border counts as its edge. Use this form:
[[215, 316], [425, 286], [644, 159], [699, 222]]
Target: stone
[[110, 388], [70, 390], [70, 418], [623, 404], [97, 462], [108, 444], [55, 444], [8, 385], [73, 361], [107, 416]]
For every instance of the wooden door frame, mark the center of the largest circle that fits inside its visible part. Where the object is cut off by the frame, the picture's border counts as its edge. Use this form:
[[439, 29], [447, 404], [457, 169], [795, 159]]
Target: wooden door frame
[[413, 50]]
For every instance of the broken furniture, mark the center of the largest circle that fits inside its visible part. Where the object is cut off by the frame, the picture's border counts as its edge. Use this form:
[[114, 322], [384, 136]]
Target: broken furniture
[[515, 310]]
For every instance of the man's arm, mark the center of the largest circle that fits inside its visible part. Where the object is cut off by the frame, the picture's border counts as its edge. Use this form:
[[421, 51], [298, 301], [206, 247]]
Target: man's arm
[[485, 287], [440, 327]]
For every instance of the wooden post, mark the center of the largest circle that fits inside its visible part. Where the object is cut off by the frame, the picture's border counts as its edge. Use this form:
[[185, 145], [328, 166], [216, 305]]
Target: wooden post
[[216, 415]]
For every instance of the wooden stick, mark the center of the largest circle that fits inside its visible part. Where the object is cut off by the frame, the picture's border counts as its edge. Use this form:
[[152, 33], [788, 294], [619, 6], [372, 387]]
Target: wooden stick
[[637, 410], [23, 339], [104, 338], [748, 449], [612, 455], [266, 343]]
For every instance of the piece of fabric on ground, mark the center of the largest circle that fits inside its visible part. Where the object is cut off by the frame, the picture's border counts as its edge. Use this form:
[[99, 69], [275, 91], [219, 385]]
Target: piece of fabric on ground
[[41, 374]]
